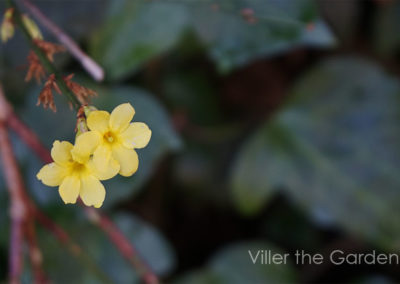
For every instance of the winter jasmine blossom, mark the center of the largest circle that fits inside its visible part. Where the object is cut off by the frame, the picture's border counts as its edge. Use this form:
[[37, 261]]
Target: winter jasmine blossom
[[76, 173], [119, 138]]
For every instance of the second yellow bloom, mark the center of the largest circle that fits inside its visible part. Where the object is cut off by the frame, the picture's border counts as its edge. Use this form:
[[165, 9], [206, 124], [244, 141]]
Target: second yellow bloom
[[119, 138]]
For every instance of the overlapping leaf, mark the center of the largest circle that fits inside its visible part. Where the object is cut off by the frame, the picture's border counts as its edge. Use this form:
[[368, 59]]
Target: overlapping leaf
[[333, 149], [62, 267], [137, 31], [234, 265]]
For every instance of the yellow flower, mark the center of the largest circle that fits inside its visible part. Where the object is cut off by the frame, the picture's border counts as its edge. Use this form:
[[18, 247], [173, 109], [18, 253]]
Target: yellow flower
[[119, 138], [74, 171]]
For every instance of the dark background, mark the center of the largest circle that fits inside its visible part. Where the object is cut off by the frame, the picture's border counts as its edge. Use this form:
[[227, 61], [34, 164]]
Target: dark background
[[275, 126]]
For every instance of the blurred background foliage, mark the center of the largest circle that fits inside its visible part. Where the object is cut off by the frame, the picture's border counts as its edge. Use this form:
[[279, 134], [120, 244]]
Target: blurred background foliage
[[275, 126]]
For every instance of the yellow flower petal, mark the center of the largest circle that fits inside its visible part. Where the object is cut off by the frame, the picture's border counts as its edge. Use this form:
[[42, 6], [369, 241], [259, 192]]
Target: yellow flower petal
[[92, 191], [69, 189], [121, 116], [110, 171], [137, 135], [101, 156], [127, 159], [85, 145], [61, 152], [99, 121], [52, 174]]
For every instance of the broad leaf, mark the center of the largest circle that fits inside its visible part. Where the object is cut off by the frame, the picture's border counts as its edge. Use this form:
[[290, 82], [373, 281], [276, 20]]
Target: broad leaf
[[234, 264], [334, 149], [279, 26], [137, 31], [62, 267]]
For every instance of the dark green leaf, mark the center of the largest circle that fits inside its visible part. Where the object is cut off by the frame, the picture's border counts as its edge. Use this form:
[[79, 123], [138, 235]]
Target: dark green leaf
[[65, 268], [234, 265], [137, 31], [279, 26], [334, 149]]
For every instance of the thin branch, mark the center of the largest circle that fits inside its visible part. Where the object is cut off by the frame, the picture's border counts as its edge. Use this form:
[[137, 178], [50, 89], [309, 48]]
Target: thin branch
[[35, 254], [73, 248], [43, 58], [29, 137], [125, 247], [87, 62], [18, 209]]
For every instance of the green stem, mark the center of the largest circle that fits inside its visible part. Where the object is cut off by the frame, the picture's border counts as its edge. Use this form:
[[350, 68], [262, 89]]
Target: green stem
[[43, 58]]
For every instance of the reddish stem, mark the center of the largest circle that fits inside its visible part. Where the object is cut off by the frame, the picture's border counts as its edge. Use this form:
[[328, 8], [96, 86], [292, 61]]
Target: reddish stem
[[122, 244], [35, 254], [22, 222], [18, 210], [29, 137], [23, 209]]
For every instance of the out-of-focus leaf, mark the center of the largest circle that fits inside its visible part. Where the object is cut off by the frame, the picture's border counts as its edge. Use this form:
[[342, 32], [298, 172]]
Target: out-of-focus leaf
[[279, 26], [234, 265], [155, 250], [64, 268], [137, 31], [60, 126], [192, 93], [334, 149]]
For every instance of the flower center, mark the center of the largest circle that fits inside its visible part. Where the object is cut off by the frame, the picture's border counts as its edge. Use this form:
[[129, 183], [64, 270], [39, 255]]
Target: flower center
[[109, 137], [78, 168]]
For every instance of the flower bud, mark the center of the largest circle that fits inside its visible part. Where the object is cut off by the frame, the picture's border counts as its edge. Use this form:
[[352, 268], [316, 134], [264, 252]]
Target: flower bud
[[88, 110], [81, 126], [7, 26], [32, 28]]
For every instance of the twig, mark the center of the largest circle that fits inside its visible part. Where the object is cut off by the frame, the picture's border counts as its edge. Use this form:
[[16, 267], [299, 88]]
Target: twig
[[72, 247], [87, 62], [125, 247], [43, 58], [35, 254], [29, 137], [18, 209]]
